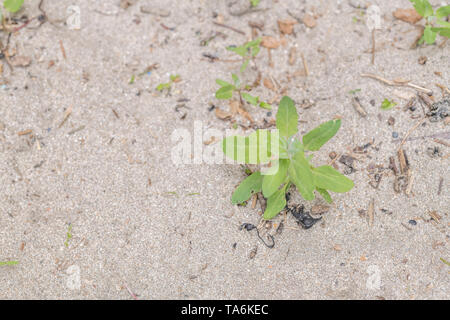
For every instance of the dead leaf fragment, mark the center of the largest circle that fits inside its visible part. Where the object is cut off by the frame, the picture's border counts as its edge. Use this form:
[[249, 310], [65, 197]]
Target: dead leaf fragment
[[222, 115], [408, 15], [20, 61], [286, 26], [309, 21], [270, 42], [268, 84]]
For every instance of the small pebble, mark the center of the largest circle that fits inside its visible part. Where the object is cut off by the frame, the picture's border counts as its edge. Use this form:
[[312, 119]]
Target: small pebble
[[395, 135], [412, 222]]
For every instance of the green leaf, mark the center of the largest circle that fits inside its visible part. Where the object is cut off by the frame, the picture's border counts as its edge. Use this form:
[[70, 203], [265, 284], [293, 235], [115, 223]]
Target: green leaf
[[386, 104], [275, 203], [317, 137], [287, 118], [443, 23], [236, 80], [250, 99], [429, 35], [163, 86], [324, 193], [242, 50], [254, 2], [272, 182], [442, 12], [326, 177], [445, 32], [265, 105], [8, 263], [225, 92], [300, 174], [251, 149], [13, 5], [423, 7], [251, 184], [223, 83]]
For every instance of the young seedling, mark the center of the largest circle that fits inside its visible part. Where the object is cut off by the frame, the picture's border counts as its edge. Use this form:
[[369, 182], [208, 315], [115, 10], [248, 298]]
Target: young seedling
[[167, 86], [227, 89], [13, 5], [424, 8], [288, 163], [68, 236], [386, 104], [254, 3], [8, 263], [247, 51]]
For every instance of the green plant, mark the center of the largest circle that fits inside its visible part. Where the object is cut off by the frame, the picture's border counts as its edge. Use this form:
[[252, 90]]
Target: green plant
[[287, 161], [386, 104], [247, 51], [8, 263], [227, 89], [68, 236], [13, 5], [424, 8], [254, 3], [168, 85]]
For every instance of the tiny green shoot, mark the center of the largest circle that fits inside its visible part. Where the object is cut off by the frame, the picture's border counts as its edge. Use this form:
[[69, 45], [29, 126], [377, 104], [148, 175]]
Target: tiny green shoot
[[254, 3], [289, 166], [354, 91], [386, 104], [8, 263], [424, 8], [68, 236], [168, 85]]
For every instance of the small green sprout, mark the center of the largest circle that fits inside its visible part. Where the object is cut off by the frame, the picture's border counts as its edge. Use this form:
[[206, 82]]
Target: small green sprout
[[424, 8], [354, 91], [13, 5], [247, 51], [288, 164], [8, 263], [254, 3], [386, 104], [68, 236], [227, 89], [168, 85]]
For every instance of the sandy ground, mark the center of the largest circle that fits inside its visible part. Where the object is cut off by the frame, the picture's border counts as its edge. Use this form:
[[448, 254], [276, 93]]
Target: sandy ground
[[140, 223]]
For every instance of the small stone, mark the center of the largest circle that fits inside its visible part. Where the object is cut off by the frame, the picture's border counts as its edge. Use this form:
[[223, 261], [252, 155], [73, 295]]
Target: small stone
[[391, 121], [412, 222], [332, 155], [395, 135], [309, 21]]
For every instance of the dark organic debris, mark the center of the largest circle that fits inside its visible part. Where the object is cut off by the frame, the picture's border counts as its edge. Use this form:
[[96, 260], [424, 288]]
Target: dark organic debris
[[269, 236], [434, 152], [303, 217], [247, 226], [348, 162], [439, 110]]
